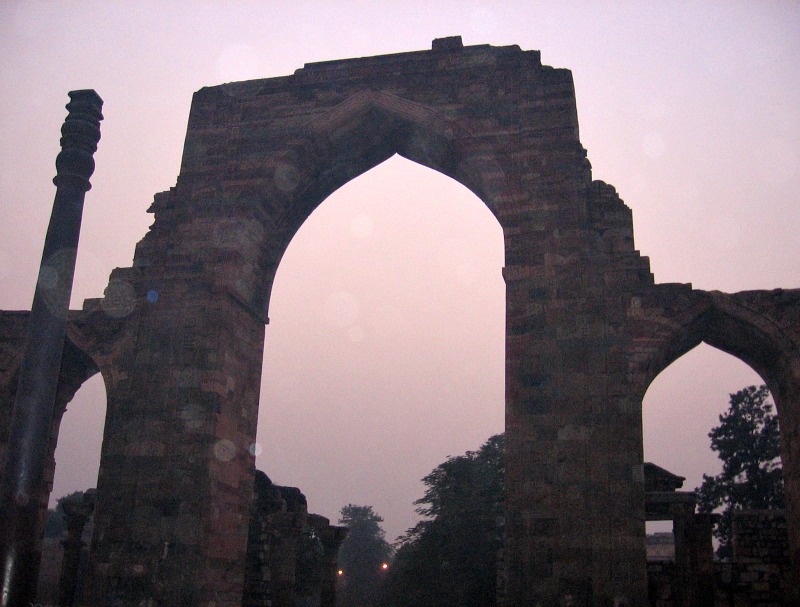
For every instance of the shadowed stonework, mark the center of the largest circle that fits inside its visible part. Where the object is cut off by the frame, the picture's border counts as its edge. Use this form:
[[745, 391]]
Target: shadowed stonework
[[178, 336]]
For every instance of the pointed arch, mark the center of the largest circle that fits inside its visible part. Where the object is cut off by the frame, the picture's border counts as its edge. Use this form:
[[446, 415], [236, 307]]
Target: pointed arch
[[413, 359], [370, 127], [759, 328], [408, 128], [354, 136], [727, 323]]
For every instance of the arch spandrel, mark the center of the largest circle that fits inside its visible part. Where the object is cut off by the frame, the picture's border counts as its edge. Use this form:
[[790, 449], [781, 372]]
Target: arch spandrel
[[357, 135], [369, 127], [410, 129], [757, 327]]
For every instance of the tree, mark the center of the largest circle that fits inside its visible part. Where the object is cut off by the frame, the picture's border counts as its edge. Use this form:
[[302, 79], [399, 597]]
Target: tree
[[361, 557], [450, 558], [55, 525], [748, 443]]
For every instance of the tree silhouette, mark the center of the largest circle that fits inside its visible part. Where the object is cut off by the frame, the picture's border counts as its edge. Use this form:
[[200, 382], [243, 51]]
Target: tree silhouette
[[361, 557], [450, 558], [55, 525], [748, 443]]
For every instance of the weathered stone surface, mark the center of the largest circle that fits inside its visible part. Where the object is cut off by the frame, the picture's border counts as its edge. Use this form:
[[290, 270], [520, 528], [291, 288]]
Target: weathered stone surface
[[178, 337], [291, 554], [759, 574]]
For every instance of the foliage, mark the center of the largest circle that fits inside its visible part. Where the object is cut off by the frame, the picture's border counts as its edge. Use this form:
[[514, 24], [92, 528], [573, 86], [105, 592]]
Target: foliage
[[450, 558], [361, 557], [55, 525], [748, 443]]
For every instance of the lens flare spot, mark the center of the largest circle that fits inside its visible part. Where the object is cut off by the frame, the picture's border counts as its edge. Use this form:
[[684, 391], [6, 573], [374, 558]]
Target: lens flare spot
[[224, 450]]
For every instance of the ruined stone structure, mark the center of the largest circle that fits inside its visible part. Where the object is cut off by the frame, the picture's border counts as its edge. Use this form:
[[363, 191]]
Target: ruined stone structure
[[760, 572], [178, 336], [692, 573], [291, 554]]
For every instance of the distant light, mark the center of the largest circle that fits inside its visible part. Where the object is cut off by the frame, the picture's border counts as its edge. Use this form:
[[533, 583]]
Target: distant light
[[340, 572], [385, 566]]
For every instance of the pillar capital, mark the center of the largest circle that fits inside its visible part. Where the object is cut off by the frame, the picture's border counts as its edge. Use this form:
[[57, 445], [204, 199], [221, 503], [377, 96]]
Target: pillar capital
[[79, 136]]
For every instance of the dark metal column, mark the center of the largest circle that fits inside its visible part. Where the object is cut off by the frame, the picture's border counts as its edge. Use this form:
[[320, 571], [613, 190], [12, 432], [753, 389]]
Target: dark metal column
[[21, 491]]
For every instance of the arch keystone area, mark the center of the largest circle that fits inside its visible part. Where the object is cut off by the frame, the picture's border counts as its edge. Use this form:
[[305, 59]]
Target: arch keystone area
[[391, 105], [179, 335]]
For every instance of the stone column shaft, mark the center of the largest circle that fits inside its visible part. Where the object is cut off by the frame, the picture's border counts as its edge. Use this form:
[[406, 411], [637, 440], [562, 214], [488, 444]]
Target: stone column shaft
[[20, 532]]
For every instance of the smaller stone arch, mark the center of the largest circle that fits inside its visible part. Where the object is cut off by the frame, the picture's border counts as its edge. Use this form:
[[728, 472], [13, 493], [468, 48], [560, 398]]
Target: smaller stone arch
[[77, 366], [760, 328], [725, 322]]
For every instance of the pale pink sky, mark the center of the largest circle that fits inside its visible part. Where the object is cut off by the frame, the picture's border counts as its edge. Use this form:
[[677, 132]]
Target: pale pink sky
[[385, 350]]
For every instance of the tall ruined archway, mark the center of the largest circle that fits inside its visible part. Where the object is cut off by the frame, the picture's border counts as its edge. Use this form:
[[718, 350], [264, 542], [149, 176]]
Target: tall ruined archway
[[259, 157], [586, 326]]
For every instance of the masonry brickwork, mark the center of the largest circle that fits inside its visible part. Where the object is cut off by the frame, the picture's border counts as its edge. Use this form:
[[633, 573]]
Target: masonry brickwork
[[760, 572], [291, 554], [178, 336]]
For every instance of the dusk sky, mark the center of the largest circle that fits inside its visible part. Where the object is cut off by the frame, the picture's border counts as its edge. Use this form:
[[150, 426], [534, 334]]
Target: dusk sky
[[384, 352]]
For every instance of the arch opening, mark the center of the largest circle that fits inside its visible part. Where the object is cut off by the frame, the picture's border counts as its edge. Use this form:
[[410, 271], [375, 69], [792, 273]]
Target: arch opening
[[686, 400], [80, 437], [681, 406], [385, 350], [77, 431]]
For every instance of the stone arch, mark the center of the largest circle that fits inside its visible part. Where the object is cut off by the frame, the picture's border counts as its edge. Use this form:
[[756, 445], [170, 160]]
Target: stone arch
[[258, 157], [357, 135], [77, 366], [728, 324], [760, 329]]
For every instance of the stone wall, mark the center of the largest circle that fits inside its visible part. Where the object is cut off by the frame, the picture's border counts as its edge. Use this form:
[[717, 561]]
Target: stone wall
[[760, 573], [291, 554], [279, 516], [760, 536]]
